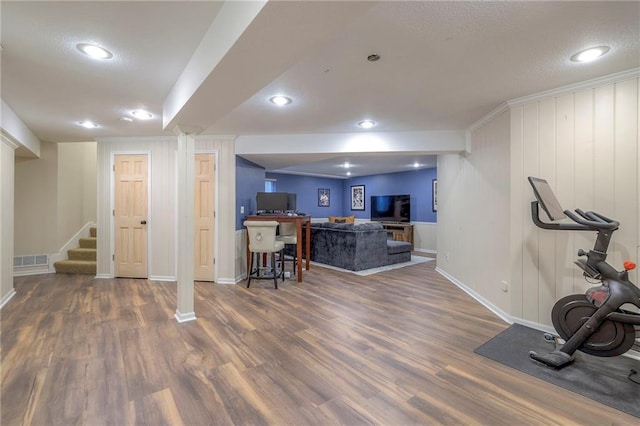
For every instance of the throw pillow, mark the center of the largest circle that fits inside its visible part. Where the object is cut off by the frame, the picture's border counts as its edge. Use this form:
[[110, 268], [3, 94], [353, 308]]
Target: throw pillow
[[342, 219]]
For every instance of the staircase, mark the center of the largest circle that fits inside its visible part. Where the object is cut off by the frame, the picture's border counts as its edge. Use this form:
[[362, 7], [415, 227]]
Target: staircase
[[80, 260]]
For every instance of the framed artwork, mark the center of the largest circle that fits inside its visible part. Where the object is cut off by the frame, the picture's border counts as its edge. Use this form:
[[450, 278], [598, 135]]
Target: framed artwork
[[357, 197], [323, 197], [434, 195]]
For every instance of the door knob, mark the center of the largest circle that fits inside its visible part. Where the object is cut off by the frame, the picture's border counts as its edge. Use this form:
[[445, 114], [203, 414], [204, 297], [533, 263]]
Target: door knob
[[143, 222]]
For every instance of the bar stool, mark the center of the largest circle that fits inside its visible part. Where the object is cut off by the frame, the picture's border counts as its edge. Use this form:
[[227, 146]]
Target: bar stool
[[262, 239], [288, 235]]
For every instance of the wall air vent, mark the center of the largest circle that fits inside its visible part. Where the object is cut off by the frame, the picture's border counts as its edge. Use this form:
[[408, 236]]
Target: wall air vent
[[31, 260]]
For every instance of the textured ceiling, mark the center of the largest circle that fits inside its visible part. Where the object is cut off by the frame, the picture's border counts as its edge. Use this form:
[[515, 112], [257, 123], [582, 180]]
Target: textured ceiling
[[443, 66]]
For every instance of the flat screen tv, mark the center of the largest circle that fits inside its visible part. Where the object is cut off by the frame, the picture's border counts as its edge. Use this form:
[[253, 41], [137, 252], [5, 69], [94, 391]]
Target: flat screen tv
[[391, 208]]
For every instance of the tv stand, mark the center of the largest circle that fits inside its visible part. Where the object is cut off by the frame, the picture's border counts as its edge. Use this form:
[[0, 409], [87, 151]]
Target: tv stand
[[399, 231]]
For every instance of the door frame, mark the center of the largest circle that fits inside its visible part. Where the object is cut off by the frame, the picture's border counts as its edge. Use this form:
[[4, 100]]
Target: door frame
[[112, 224], [216, 157]]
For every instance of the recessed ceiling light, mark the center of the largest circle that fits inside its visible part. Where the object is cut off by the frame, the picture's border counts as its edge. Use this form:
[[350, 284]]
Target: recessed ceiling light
[[348, 173], [129, 119], [96, 52], [590, 54], [88, 124], [280, 100], [416, 165], [346, 165], [367, 124], [142, 114]]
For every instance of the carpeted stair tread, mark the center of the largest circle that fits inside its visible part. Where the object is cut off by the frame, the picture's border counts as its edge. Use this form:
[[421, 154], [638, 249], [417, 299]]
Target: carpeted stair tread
[[86, 267], [81, 260], [88, 242], [82, 254]]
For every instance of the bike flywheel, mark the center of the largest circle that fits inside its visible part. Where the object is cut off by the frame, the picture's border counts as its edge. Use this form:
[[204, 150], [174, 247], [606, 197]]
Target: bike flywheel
[[610, 339]]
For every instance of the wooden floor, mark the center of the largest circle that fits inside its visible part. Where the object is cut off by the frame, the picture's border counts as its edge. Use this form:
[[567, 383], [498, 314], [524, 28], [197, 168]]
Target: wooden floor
[[395, 348]]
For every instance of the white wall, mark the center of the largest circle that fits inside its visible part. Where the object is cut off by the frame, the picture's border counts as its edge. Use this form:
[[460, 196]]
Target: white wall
[[77, 184], [36, 203], [425, 236], [162, 223], [225, 241], [7, 160], [473, 213], [585, 143], [162, 202], [55, 196]]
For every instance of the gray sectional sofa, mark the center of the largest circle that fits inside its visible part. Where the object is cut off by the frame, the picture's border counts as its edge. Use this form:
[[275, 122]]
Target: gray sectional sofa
[[356, 247]]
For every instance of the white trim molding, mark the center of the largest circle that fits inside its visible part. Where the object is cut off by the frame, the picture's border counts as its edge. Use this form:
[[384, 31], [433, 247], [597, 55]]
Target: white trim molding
[[186, 317], [510, 319], [162, 278], [572, 88], [7, 297], [499, 312], [227, 281]]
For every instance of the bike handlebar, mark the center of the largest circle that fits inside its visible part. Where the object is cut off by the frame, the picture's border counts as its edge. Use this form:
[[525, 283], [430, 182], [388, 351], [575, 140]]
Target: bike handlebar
[[584, 221]]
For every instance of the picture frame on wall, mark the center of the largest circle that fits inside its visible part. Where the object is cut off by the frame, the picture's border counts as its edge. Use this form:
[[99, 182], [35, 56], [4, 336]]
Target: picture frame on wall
[[324, 199], [434, 195], [357, 197]]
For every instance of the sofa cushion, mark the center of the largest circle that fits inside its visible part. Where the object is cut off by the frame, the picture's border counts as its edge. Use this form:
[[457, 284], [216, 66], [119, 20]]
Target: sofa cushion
[[334, 225], [395, 247], [368, 226]]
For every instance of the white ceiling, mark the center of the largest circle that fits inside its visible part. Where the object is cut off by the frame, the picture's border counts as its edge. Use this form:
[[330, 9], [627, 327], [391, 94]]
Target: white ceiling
[[443, 66]]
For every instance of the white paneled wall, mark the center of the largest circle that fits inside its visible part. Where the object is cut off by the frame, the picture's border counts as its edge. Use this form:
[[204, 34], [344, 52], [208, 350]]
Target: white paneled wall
[[162, 198], [424, 236], [225, 242], [585, 143], [162, 203]]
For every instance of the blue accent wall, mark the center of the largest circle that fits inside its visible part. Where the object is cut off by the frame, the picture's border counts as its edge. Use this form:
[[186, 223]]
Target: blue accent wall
[[306, 190], [249, 181], [416, 183]]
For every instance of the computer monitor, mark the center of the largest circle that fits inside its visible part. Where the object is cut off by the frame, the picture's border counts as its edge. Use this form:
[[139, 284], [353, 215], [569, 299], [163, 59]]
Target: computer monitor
[[272, 201], [291, 202]]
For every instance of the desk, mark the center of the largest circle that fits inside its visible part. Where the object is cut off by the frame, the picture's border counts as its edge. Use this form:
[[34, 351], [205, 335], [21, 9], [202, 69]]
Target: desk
[[400, 231], [299, 221]]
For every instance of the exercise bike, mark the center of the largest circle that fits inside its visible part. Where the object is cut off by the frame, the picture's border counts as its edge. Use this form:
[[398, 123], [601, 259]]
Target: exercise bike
[[594, 322]]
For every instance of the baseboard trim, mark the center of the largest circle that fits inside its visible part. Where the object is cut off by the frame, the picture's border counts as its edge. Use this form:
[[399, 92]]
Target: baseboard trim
[[104, 276], [499, 312], [162, 278], [7, 297], [227, 281], [421, 250], [511, 319], [180, 317], [36, 270]]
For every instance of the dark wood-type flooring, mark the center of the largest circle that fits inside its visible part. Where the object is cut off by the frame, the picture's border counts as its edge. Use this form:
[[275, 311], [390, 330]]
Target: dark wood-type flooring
[[395, 348]]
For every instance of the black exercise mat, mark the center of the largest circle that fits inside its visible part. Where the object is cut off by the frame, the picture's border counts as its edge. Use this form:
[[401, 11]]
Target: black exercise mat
[[601, 379]]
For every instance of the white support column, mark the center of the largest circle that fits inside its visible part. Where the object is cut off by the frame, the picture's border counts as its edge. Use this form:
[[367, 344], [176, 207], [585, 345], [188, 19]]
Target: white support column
[[185, 196]]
